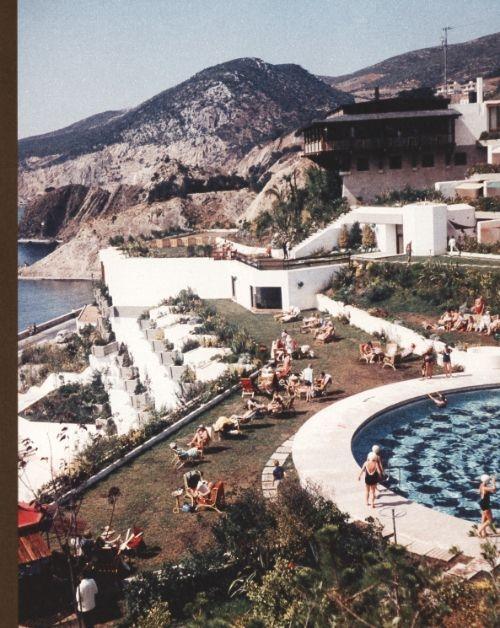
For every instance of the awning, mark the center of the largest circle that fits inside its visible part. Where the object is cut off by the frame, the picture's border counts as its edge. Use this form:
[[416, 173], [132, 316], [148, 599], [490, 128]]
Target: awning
[[32, 547], [28, 516], [469, 186], [456, 225]]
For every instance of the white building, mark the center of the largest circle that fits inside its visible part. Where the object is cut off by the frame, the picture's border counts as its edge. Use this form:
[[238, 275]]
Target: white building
[[136, 283]]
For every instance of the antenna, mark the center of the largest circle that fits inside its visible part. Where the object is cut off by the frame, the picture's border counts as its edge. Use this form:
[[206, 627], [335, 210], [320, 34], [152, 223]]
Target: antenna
[[444, 42]]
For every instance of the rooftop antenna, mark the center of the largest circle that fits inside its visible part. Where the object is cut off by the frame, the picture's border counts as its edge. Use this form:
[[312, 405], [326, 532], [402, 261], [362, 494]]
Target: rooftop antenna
[[444, 42]]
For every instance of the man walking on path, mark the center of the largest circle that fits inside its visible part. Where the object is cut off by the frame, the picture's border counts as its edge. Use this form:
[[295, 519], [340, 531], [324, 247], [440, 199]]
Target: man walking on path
[[285, 250], [85, 598]]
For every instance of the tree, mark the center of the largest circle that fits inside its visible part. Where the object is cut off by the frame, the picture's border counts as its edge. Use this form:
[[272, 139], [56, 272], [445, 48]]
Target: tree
[[344, 237], [355, 236], [368, 239], [113, 495]]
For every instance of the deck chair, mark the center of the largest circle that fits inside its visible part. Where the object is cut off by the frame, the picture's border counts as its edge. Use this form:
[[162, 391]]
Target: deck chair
[[134, 540], [367, 357], [390, 356], [289, 405], [215, 501], [326, 337], [247, 387], [178, 462]]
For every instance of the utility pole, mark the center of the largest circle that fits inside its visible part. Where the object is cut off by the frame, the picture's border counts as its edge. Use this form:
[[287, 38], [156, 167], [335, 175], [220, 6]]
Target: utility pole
[[444, 41]]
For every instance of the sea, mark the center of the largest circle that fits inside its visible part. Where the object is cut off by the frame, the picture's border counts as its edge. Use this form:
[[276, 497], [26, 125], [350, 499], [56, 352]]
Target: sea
[[41, 300]]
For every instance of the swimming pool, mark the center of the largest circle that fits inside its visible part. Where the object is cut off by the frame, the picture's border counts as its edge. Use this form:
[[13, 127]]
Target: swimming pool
[[436, 455]]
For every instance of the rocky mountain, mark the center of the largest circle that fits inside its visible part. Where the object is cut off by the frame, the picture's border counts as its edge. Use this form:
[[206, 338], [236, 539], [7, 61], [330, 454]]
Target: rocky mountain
[[424, 67], [208, 123]]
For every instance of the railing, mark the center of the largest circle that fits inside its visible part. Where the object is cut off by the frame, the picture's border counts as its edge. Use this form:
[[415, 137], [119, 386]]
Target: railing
[[378, 143], [270, 263]]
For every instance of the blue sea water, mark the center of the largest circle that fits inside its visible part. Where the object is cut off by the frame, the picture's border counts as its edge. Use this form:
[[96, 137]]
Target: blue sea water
[[435, 456], [41, 300]]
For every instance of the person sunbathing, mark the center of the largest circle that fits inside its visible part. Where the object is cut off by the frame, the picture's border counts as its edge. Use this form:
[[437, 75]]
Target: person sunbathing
[[367, 352], [460, 323], [321, 329], [258, 408], [201, 438], [321, 384], [292, 315], [494, 325], [311, 323], [276, 404], [186, 455], [470, 323], [327, 334], [224, 425], [479, 306], [446, 319]]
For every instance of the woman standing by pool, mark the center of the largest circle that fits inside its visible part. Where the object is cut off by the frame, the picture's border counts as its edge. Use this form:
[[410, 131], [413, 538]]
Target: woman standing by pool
[[447, 360], [428, 363], [373, 474], [485, 491]]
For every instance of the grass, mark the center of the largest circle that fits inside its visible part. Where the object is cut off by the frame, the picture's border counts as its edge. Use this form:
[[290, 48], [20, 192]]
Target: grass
[[147, 483]]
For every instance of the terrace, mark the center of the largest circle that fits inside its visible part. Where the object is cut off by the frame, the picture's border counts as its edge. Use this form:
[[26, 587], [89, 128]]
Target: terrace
[[147, 483]]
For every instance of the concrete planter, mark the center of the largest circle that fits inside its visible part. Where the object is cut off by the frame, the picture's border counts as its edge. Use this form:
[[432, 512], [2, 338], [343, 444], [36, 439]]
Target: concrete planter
[[130, 385], [157, 345], [129, 372], [101, 351], [145, 323], [177, 371], [166, 358], [152, 334], [139, 402]]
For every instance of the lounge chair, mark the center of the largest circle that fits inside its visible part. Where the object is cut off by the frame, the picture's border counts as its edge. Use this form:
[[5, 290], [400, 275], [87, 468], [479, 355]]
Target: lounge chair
[[134, 540], [326, 336], [182, 457], [367, 356], [215, 501], [390, 356], [247, 387]]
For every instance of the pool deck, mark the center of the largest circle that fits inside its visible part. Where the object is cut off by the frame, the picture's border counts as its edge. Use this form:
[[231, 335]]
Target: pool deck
[[322, 456]]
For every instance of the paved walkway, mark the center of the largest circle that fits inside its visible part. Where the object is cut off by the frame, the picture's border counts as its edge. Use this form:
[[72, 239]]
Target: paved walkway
[[269, 485], [322, 455]]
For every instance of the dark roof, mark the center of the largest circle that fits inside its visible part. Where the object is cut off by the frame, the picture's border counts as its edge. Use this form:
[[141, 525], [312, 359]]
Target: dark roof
[[392, 115], [31, 548], [386, 105]]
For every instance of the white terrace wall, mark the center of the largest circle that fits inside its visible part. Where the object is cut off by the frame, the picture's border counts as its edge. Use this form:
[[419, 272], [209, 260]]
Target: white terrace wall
[[144, 282], [488, 231]]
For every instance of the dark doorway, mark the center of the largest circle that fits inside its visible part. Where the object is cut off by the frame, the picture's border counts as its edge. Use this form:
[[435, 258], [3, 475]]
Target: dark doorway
[[268, 298], [399, 239]]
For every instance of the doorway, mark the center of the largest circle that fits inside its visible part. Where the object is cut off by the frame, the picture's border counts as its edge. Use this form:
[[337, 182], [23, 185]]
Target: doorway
[[399, 240], [268, 298]]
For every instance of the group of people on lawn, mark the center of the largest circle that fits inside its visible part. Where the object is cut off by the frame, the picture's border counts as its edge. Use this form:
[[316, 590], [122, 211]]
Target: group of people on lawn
[[477, 319]]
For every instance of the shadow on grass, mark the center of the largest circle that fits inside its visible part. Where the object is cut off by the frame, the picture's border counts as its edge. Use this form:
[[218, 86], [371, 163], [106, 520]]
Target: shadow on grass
[[216, 449], [150, 551]]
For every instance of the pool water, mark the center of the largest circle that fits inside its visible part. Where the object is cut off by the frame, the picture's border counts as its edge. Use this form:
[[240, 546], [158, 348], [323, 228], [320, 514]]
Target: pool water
[[436, 455]]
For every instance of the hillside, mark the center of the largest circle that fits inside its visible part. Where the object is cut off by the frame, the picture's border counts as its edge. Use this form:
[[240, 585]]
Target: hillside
[[424, 67], [208, 122]]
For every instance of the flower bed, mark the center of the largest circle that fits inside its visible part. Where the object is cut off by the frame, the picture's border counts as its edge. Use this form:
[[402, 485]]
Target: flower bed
[[72, 403]]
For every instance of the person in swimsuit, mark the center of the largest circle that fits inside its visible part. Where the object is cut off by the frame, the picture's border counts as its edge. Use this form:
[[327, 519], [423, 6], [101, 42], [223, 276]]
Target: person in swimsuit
[[447, 360], [373, 474], [485, 491], [376, 451], [439, 399], [428, 364]]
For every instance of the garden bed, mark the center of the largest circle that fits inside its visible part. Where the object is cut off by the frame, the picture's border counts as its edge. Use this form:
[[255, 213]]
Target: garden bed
[[72, 403], [418, 292]]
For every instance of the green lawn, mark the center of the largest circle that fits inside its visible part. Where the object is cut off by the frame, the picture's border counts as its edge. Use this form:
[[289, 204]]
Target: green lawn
[[147, 483], [462, 261]]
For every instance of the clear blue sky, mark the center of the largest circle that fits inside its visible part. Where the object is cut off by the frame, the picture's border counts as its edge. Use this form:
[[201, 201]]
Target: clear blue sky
[[81, 57]]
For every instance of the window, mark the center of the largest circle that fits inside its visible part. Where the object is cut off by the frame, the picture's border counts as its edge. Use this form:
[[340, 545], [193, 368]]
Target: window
[[395, 162], [494, 118], [460, 159], [345, 163], [427, 160], [362, 163]]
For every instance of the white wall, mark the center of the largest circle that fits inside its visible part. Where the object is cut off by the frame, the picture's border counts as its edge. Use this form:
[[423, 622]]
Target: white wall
[[425, 225], [472, 122], [144, 282], [386, 238]]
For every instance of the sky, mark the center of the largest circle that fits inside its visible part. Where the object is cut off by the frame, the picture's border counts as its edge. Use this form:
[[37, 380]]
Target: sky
[[82, 57]]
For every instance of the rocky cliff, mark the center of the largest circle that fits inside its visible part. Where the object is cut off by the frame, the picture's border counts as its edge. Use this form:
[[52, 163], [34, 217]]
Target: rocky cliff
[[207, 123]]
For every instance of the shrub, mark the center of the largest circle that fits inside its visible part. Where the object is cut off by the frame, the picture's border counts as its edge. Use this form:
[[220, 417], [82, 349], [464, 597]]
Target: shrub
[[379, 292], [354, 236], [344, 237], [190, 344], [157, 616], [139, 388]]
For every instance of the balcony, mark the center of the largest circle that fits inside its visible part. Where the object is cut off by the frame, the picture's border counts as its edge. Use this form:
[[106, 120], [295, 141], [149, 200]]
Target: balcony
[[378, 144]]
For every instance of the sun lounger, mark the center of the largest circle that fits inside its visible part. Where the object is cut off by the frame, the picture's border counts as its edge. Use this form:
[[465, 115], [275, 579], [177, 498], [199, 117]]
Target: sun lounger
[[247, 387], [215, 501], [390, 356]]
